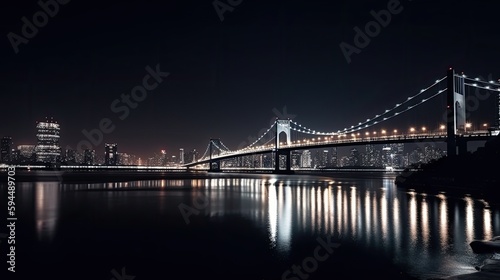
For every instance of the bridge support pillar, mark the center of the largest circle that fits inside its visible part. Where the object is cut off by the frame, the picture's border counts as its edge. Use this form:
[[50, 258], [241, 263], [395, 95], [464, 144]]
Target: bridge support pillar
[[455, 110], [462, 145], [282, 126], [213, 164]]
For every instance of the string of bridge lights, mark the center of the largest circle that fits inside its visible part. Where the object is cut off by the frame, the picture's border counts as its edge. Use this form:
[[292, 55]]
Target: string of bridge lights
[[258, 139], [477, 81], [372, 121], [217, 146], [206, 151], [366, 124], [227, 149], [358, 128]]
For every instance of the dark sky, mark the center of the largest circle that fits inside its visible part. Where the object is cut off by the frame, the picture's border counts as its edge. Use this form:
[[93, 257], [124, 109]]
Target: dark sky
[[229, 78]]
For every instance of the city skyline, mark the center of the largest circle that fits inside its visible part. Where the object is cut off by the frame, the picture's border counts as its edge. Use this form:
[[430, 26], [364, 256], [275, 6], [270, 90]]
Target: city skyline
[[204, 79], [235, 139], [48, 151]]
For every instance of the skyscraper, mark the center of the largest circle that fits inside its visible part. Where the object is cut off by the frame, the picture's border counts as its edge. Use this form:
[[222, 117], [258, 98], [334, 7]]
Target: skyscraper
[[181, 156], [295, 158], [47, 148], [333, 160], [6, 149], [27, 153], [306, 159], [89, 157], [354, 158], [110, 154], [70, 156]]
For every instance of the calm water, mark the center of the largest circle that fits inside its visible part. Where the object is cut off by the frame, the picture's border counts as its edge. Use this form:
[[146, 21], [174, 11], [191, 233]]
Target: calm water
[[245, 227]]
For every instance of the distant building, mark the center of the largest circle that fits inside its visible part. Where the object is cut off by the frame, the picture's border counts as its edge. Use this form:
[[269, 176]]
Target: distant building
[[89, 157], [305, 159], [111, 154], [181, 156], [369, 157], [295, 159], [325, 159], [70, 156], [268, 161], [6, 150], [355, 158], [124, 159], [333, 157], [26, 153], [47, 148], [192, 156]]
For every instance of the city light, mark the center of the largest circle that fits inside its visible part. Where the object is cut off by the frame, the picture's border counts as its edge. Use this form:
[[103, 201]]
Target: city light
[[442, 127], [412, 129], [467, 125], [424, 129]]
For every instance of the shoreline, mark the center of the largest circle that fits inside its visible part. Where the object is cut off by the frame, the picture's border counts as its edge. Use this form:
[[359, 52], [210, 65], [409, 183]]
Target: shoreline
[[91, 176]]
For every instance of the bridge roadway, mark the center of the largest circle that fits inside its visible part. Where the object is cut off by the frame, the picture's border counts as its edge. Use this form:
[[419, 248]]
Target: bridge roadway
[[348, 141]]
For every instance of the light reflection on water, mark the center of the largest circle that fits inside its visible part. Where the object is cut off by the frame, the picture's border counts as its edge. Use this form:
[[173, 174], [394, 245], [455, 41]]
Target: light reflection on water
[[430, 234]]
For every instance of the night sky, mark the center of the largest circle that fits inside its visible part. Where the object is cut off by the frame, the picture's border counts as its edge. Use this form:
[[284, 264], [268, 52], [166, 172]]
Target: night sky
[[228, 79]]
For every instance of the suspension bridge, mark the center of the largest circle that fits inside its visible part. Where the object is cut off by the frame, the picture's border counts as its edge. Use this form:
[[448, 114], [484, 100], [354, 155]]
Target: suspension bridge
[[455, 131]]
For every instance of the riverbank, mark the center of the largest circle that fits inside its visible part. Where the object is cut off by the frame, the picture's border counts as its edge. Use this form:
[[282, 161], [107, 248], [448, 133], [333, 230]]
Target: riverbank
[[473, 174], [121, 175]]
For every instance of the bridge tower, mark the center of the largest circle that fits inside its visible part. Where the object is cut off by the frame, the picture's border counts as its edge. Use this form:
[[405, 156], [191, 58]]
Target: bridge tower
[[455, 112], [282, 126], [214, 164]]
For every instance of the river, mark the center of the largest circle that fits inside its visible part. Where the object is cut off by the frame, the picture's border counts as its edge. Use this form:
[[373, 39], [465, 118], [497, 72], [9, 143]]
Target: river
[[240, 226]]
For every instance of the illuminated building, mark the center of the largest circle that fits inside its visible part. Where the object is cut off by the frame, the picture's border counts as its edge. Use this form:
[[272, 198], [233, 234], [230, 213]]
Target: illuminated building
[[47, 149], [70, 156], [27, 153], [306, 159], [6, 150], [89, 157], [181, 156], [111, 154]]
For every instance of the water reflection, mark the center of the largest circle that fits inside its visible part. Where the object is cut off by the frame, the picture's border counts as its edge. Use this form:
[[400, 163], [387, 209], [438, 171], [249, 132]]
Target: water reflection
[[443, 222], [371, 213], [46, 209]]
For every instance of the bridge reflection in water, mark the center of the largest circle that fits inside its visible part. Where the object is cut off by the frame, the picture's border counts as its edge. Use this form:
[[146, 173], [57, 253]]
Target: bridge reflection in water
[[428, 233]]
